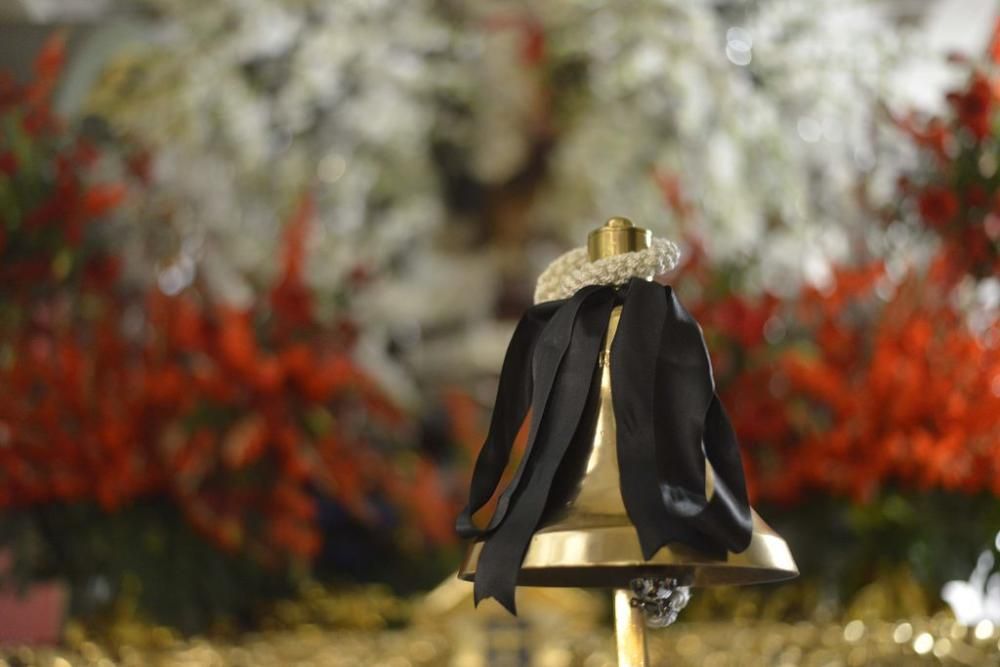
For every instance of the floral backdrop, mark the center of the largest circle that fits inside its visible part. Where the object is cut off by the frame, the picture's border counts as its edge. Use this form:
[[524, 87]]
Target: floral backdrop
[[255, 289], [244, 421]]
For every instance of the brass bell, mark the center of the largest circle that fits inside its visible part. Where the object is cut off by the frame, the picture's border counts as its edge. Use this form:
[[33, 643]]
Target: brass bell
[[586, 539]]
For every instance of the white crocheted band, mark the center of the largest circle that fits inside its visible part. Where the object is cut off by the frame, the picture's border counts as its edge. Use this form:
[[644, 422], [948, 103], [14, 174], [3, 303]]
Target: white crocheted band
[[573, 270]]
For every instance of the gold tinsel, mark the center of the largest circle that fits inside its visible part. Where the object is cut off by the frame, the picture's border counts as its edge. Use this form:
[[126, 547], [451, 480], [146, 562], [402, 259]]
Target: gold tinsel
[[370, 626], [916, 641]]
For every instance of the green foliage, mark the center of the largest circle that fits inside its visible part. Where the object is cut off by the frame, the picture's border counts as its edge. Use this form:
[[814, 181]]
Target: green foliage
[[146, 555], [936, 535]]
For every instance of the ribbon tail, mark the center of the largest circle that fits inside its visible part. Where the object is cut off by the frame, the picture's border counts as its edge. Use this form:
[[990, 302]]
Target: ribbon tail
[[510, 409], [556, 420], [727, 519], [725, 523], [669, 421], [633, 383], [547, 358]]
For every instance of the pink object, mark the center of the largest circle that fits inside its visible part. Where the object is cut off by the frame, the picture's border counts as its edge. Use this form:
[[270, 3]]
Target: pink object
[[34, 617]]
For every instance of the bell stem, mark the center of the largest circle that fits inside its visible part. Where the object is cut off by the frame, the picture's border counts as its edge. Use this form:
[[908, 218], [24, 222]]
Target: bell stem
[[617, 236], [630, 631]]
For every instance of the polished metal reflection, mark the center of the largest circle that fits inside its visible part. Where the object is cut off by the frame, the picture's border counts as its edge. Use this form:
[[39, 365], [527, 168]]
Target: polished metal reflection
[[617, 236], [587, 539], [630, 631]]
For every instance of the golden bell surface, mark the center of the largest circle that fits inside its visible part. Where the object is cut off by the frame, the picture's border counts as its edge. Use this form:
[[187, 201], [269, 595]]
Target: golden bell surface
[[586, 538]]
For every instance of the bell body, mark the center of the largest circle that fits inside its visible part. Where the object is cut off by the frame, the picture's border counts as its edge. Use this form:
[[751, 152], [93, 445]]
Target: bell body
[[586, 538]]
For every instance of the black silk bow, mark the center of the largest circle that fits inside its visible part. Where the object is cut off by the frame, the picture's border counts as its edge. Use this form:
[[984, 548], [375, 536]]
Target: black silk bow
[[669, 420]]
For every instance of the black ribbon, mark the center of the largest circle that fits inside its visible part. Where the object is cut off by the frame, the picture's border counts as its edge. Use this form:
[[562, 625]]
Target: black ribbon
[[669, 420]]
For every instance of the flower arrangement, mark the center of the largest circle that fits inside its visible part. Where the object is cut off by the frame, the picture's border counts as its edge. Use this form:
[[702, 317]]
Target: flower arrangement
[[868, 404], [952, 194], [243, 421], [243, 103], [868, 414], [739, 107], [49, 212], [872, 390]]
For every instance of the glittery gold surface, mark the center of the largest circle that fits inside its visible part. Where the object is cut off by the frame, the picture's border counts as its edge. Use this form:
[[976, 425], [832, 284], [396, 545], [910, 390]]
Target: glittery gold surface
[[557, 628], [916, 641]]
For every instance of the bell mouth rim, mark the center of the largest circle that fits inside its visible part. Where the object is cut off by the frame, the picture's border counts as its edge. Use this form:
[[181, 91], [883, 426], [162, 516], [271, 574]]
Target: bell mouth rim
[[619, 576], [609, 556]]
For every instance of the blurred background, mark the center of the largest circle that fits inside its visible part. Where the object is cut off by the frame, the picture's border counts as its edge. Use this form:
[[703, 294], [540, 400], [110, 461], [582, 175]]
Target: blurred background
[[260, 260]]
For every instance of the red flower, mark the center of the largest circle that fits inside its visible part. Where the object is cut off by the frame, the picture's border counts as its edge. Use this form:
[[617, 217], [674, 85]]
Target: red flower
[[976, 196], [533, 40], [100, 199], [50, 59], [101, 272], [244, 442], [533, 45], [974, 106], [938, 206], [672, 191], [38, 121], [290, 298], [933, 135], [236, 340], [85, 153], [993, 49]]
